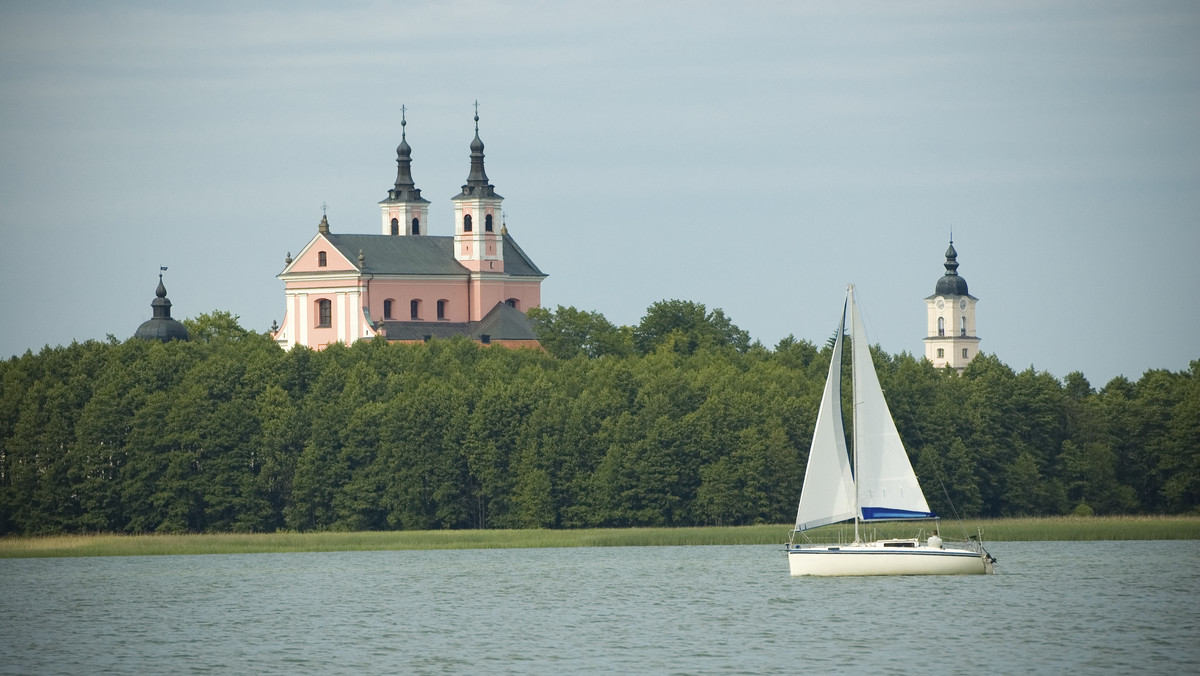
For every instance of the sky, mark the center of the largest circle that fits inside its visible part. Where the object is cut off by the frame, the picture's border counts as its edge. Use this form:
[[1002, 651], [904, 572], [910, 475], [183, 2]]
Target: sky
[[754, 157]]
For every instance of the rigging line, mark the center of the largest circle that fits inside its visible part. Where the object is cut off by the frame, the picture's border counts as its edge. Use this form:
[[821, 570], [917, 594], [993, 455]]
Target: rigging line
[[939, 471]]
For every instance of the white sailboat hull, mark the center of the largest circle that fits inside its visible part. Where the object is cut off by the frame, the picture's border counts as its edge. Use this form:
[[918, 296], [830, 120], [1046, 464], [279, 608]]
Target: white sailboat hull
[[874, 558]]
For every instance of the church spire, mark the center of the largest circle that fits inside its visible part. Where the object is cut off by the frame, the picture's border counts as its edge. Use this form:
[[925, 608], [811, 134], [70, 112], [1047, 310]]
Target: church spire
[[477, 181], [404, 211], [951, 283], [161, 326], [405, 189]]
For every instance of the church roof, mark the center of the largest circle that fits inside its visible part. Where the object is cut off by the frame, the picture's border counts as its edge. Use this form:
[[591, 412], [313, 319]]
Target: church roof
[[160, 326], [951, 283], [422, 255], [503, 322]]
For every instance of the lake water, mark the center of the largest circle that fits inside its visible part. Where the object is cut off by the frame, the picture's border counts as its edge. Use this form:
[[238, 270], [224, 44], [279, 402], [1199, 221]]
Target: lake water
[[1080, 607]]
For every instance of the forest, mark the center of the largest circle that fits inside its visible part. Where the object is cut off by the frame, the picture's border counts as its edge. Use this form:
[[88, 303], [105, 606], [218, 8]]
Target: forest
[[681, 420]]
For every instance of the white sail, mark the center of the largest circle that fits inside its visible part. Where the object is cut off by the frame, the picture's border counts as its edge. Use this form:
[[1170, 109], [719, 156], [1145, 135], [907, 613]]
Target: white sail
[[828, 492], [887, 485]]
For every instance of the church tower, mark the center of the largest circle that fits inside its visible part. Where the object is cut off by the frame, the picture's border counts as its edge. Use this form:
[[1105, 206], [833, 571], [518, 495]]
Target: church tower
[[950, 338], [477, 241], [405, 212]]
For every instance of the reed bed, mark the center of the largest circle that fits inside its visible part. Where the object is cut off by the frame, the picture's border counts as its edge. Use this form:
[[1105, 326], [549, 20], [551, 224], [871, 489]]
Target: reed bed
[[994, 530]]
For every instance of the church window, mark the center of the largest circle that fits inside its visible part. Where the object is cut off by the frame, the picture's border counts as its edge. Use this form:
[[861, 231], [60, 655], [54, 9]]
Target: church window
[[964, 353], [416, 226], [941, 326], [387, 309], [467, 223], [415, 309], [941, 353], [321, 260], [487, 223], [395, 226], [512, 302], [324, 313], [441, 309], [962, 329]]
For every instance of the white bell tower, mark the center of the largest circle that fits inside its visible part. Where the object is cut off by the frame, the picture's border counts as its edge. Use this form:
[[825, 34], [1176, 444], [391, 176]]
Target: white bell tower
[[478, 241], [950, 338]]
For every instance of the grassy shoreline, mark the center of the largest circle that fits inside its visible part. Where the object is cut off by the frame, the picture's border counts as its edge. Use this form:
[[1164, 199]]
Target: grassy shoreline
[[994, 530]]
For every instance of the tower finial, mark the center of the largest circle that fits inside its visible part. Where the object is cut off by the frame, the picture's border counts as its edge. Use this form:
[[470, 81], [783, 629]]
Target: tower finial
[[476, 117], [402, 122]]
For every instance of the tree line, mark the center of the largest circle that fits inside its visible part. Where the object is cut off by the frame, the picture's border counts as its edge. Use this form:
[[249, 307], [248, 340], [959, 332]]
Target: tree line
[[681, 420]]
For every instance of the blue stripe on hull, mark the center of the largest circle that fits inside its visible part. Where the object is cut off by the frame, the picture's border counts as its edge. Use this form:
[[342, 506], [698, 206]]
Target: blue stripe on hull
[[875, 552]]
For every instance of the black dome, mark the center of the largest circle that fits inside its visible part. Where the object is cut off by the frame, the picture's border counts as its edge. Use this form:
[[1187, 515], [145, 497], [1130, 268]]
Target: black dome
[[164, 330], [161, 326]]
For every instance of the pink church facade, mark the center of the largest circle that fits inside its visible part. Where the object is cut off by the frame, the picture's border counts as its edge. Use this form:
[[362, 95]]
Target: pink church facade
[[407, 285]]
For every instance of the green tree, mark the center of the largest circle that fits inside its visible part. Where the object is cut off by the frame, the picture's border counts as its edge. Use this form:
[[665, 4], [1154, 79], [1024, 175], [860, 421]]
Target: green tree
[[567, 332], [687, 326]]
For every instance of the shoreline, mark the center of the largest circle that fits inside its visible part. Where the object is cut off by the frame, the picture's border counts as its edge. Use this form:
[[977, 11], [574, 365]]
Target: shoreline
[[1062, 528]]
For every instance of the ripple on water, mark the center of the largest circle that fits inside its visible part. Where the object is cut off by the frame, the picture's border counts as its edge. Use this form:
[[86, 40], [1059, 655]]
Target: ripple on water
[[1053, 607]]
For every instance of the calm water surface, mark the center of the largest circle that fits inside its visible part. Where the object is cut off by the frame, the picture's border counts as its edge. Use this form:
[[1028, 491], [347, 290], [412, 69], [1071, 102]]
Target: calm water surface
[[1087, 607]]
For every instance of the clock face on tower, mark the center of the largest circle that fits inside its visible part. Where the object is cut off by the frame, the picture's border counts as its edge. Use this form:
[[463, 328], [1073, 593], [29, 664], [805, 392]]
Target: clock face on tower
[[941, 303], [962, 305]]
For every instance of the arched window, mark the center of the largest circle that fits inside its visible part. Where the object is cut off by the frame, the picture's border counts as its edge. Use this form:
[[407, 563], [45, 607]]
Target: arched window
[[395, 227], [487, 223], [941, 353], [962, 329], [415, 309], [467, 223], [512, 302], [321, 259], [416, 226], [441, 309], [387, 309], [964, 353], [941, 326], [324, 313]]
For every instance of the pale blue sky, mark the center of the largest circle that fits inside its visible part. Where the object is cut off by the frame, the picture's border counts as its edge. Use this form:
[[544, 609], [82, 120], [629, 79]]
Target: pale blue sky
[[754, 157]]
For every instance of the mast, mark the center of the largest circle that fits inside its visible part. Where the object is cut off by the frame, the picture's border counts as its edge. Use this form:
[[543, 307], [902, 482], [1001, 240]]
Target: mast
[[854, 413]]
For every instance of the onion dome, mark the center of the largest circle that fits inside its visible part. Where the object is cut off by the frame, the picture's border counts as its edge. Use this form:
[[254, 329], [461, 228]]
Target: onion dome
[[405, 190], [951, 284], [477, 181], [161, 326]]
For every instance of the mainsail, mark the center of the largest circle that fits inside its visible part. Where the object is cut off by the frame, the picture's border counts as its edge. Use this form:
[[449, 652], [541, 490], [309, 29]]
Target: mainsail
[[887, 485]]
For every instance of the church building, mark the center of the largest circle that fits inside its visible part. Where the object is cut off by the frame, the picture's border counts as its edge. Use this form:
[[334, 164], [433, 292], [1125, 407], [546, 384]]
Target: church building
[[950, 332], [407, 285]]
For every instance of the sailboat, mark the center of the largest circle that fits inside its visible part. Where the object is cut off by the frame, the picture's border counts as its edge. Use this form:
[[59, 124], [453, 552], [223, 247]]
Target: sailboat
[[875, 483]]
